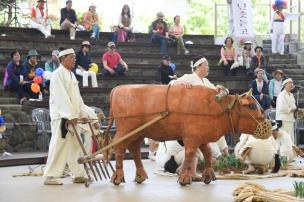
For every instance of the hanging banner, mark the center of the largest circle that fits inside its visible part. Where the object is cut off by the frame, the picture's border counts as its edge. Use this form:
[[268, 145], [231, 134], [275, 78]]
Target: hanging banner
[[242, 19]]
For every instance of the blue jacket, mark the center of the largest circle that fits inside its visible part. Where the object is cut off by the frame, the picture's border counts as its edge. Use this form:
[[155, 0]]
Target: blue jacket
[[255, 91], [14, 71]]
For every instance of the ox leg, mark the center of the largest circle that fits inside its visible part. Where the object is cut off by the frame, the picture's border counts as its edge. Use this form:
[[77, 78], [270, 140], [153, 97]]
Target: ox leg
[[208, 173], [188, 166], [134, 148], [118, 175]]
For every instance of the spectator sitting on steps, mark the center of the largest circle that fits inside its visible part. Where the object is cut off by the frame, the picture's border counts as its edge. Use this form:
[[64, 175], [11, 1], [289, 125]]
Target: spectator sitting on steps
[[159, 33], [228, 57], [258, 62], [176, 31], [275, 86], [247, 54], [83, 62], [91, 22], [113, 65], [68, 19], [50, 66], [40, 19], [165, 72], [13, 78]]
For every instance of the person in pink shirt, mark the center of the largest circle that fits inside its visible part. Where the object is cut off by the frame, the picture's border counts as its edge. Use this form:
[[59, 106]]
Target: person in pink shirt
[[113, 65], [228, 57], [91, 22], [176, 31]]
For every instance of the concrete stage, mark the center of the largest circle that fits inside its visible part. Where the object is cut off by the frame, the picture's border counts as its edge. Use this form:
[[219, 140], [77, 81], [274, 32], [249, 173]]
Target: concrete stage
[[156, 188]]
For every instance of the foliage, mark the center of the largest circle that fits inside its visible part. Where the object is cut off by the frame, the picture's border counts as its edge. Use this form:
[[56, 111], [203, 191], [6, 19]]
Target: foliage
[[229, 162], [284, 162], [299, 189]]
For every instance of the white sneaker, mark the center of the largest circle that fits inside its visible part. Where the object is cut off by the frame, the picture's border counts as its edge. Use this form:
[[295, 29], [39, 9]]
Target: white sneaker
[[72, 38], [186, 52]]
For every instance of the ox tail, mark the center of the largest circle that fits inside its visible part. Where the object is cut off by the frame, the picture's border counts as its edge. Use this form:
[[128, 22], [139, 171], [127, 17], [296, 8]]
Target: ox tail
[[107, 132]]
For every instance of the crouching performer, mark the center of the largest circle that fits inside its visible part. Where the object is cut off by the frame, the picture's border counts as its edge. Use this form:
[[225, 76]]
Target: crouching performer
[[66, 107]]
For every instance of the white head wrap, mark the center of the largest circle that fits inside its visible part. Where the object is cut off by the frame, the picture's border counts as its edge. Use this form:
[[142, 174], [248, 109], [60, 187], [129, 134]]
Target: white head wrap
[[197, 63], [66, 52]]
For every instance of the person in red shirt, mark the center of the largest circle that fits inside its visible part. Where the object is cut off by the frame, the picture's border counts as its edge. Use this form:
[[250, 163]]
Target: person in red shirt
[[112, 62], [40, 19]]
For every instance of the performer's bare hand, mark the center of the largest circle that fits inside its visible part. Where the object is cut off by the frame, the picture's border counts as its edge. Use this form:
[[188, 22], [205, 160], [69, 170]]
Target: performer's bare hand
[[185, 83], [96, 125], [72, 121], [220, 88]]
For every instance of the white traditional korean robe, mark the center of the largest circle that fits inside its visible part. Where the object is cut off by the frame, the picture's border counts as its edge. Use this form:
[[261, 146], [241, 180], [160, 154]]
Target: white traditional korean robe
[[285, 145], [285, 105], [65, 102], [195, 80]]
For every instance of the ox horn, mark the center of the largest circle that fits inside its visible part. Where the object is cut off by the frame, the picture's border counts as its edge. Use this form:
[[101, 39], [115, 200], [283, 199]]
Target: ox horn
[[249, 93]]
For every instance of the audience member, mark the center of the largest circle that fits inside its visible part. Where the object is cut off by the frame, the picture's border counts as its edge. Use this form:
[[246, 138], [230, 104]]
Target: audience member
[[228, 57], [14, 79], [29, 72], [68, 19], [247, 54], [260, 89], [275, 86], [286, 107], [113, 64], [91, 22], [176, 32], [258, 62], [40, 19], [50, 66], [124, 29], [164, 72], [83, 62], [159, 33]]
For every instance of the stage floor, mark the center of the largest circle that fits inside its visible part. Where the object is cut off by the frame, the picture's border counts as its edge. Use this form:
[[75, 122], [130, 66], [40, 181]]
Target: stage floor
[[156, 188]]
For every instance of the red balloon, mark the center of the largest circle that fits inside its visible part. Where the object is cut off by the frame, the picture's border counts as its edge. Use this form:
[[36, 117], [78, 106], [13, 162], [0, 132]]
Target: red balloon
[[35, 88], [37, 79]]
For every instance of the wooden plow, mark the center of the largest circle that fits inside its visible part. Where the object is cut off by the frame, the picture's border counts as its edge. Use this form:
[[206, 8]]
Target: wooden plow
[[98, 160]]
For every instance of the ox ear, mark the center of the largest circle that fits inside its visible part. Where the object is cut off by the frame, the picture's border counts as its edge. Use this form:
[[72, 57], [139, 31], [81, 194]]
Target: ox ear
[[249, 93]]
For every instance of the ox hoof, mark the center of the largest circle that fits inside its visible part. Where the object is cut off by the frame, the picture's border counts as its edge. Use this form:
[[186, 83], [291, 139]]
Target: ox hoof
[[207, 180], [116, 180], [184, 180], [139, 179]]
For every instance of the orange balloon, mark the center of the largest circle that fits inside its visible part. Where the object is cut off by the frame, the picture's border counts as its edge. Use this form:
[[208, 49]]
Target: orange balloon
[[38, 79], [35, 88]]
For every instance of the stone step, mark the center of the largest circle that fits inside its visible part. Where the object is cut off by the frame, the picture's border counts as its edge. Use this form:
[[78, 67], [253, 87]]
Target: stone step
[[137, 47], [83, 35], [282, 61], [8, 100]]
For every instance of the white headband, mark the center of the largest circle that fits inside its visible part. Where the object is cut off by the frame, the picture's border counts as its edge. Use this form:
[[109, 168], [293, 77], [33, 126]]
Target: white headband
[[66, 52], [200, 61]]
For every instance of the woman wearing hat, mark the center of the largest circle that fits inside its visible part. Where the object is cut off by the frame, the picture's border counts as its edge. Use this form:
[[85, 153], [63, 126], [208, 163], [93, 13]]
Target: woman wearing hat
[[40, 19], [260, 89], [275, 86], [247, 54], [83, 63], [286, 107], [91, 22]]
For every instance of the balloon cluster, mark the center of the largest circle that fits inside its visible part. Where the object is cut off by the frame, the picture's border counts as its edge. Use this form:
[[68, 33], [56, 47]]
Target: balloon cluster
[[173, 66], [37, 80]]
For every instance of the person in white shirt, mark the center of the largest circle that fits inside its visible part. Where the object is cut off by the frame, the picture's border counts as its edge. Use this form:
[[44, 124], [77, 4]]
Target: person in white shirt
[[200, 70], [66, 106], [286, 107]]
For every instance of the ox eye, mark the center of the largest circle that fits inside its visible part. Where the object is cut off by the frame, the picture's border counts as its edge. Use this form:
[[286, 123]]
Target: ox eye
[[252, 106]]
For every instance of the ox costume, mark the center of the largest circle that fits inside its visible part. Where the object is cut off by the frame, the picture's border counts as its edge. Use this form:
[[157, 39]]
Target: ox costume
[[285, 145], [286, 105], [194, 79], [277, 29], [65, 104]]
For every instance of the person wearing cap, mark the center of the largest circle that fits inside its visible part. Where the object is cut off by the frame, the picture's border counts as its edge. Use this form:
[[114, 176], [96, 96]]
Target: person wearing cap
[[286, 107], [200, 69], [124, 30], [66, 107], [275, 86], [228, 57], [247, 54], [113, 64], [258, 154], [83, 62], [258, 62], [90, 21], [176, 31], [13, 78], [68, 19], [285, 145], [164, 72], [260, 89], [159, 33], [49, 67], [40, 19]]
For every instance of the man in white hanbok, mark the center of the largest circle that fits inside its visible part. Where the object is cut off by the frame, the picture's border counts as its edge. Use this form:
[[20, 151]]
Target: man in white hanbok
[[286, 107], [66, 106], [200, 70]]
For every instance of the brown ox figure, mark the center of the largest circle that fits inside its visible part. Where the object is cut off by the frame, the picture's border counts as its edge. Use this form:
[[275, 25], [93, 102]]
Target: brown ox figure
[[194, 117]]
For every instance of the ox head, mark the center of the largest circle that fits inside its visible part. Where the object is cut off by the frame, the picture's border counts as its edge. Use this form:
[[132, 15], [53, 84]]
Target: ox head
[[251, 117]]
